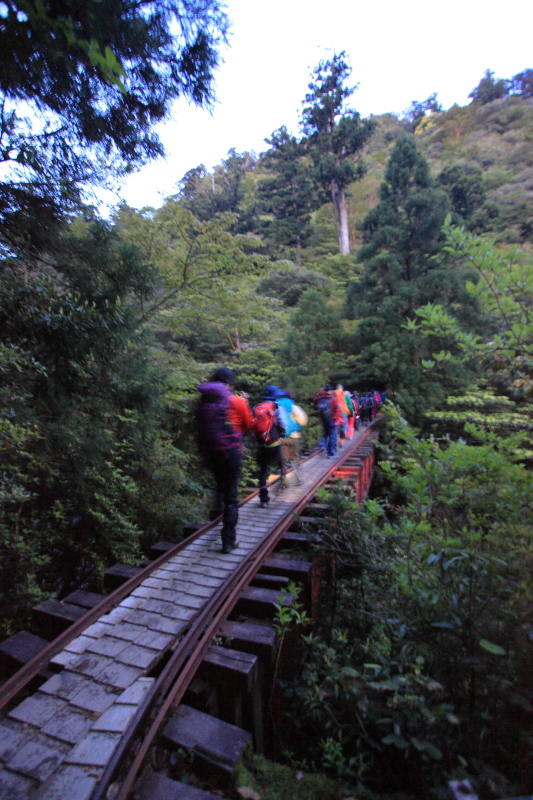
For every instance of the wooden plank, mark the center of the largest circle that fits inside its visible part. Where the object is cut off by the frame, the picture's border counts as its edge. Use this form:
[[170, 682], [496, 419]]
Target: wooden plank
[[219, 743], [256, 639], [231, 669], [294, 569], [38, 709], [18, 650], [94, 750], [159, 548], [14, 787], [277, 582], [69, 725], [118, 574], [115, 719], [155, 622], [37, 759], [84, 599], [74, 783], [261, 602], [55, 617]]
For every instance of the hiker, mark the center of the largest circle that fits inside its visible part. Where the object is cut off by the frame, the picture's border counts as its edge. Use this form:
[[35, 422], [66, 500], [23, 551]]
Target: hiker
[[293, 419], [269, 433], [330, 415], [376, 399], [342, 427], [222, 418], [351, 414]]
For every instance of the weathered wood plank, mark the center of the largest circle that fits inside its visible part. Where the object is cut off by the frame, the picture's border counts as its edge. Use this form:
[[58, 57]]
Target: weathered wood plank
[[84, 599], [18, 650], [218, 742]]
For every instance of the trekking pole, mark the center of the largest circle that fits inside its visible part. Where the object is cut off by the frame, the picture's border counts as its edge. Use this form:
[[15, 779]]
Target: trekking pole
[[297, 473]]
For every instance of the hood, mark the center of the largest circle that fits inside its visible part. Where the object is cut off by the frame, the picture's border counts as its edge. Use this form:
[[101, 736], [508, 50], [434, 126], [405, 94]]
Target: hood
[[214, 392]]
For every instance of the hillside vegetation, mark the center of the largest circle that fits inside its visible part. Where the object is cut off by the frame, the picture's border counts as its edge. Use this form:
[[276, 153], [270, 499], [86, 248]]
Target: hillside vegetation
[[388, 253]]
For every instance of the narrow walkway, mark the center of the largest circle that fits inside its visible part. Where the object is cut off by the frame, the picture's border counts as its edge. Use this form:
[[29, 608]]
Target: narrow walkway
[[55, 744]]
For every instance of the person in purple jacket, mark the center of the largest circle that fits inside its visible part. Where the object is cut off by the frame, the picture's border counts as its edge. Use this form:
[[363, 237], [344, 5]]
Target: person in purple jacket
[[221, 420]]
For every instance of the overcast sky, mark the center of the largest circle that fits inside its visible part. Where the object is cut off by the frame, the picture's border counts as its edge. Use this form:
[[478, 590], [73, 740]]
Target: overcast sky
[[399, 52]]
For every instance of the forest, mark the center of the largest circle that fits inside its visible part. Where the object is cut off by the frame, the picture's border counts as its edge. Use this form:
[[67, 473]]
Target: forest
[[395, 253]]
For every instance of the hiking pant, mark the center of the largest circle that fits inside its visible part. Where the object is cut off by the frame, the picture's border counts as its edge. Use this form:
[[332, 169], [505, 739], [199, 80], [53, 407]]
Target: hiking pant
[[289, 452], [351, 425], [225, 468], [330, 437], [267, 457]]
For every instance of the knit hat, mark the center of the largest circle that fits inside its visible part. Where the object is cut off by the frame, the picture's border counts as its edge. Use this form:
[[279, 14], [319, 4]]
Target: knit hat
[[224, 375]]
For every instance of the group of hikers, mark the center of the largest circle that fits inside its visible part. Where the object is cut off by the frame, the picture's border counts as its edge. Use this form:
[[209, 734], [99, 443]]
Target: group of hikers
[[223, 418]]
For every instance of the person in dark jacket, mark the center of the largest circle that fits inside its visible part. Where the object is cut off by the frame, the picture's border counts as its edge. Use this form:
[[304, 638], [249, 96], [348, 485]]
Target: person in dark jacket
[[222, 419]]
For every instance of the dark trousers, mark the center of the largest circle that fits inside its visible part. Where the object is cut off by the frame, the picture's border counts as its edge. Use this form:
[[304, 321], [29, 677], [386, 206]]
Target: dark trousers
[[330, 436], [266, 457], [225, 468]]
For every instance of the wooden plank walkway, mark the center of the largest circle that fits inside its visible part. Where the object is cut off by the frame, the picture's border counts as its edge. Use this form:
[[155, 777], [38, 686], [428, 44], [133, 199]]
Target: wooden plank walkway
[[56, 743]]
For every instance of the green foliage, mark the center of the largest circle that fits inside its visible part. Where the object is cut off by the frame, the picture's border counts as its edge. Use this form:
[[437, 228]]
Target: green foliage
[[481, 415], [289, 284], [403, 263], [489, 89], [92, 80], [225, 191], [287, 193], [79, 408], [280, 782], [311, 347], [504, 289], [417, 661]]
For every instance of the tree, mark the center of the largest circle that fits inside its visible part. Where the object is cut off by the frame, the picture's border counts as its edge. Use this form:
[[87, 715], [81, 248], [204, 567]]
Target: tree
[[489, 89], [464, 187], [223, 191], [336, 136], [503, 285], [78, 415], [403, 262], [418, 110], [287, 194], [308, 355], [290, 284], [522, 83], [82, 86]]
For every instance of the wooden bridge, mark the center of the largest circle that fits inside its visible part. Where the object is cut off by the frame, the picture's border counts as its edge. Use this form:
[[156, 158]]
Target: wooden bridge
[[81, 716]]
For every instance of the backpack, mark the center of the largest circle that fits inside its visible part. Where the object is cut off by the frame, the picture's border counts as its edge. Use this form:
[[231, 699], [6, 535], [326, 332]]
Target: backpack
[[215, 434], [323, 406], [266, 423]]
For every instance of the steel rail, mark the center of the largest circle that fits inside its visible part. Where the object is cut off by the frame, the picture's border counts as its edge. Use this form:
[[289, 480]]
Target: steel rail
[[172, 683]]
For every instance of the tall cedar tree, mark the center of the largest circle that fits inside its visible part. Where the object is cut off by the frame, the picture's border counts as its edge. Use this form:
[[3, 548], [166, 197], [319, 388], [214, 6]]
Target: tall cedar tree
[[404, 269], [288, 194], [81, 87], [336, 136]]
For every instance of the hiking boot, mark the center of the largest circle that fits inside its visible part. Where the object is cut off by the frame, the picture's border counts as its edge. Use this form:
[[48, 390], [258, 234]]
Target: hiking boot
[[264, 503], [227, 548]]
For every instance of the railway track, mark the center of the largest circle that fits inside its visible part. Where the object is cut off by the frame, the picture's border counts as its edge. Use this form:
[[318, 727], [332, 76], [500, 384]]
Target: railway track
[[86, 731]]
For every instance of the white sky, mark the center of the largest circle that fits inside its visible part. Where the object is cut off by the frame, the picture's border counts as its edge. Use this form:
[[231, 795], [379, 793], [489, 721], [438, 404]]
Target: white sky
[[399, 52]]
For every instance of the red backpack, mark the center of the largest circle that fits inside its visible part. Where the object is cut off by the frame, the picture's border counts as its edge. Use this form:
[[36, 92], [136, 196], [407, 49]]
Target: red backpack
[[265, 423]]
